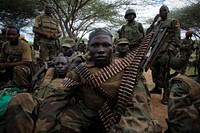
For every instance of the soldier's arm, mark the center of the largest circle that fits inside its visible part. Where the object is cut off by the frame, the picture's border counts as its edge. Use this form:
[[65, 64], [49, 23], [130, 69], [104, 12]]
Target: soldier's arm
[[180, 110]]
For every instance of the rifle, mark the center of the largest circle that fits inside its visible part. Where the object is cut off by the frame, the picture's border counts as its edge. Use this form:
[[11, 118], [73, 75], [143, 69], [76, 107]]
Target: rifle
[[155, 45]]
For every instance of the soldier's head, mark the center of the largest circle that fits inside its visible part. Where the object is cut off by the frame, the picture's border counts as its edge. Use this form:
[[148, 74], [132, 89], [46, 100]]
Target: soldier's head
[[123, 46], [12, 34], [67, 47], [164, 10], [48, 9], [101, 47], [130, 15], [60, 62]]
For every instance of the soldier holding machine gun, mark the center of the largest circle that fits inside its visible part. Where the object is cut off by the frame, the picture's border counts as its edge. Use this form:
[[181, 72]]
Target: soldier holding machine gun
[[160, 67]]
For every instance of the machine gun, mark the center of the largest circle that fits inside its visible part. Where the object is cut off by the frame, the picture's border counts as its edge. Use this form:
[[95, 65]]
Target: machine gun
[[155, 46]]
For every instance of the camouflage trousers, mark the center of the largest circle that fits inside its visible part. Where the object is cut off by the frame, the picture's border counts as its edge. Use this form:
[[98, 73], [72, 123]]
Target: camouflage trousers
[[48, 51], [21, 114], [19, 75]]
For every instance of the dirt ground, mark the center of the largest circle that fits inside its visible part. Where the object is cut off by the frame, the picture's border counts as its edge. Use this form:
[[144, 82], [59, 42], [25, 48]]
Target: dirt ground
[[159, 110]]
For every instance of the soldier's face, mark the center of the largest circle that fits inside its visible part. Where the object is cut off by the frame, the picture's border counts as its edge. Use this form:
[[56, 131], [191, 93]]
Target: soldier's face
[[67, 51], [60, 64], [163, 12], [123, 48], [48, 9], [130, 17], [101, 50], [12, 35]]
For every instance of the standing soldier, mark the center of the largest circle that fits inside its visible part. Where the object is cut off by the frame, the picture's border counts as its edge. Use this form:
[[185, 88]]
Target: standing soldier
[[16, 58], [47, 31], [187, 45], [133, 30], [160, 67]]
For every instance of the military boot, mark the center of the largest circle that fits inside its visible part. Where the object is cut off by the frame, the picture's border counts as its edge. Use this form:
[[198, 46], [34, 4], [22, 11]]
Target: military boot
[[156, 90]]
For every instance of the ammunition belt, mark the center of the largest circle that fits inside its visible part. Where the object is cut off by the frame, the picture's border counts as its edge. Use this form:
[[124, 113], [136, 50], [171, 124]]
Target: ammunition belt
[[107, 115], [131, 65], [67, 82]]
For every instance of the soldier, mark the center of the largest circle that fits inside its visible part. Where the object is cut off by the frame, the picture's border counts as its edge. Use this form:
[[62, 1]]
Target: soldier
[[15, 58], [160, 67], [68, 50], [95, 85], [187, 46], [22, 110], [122, 47], [184, 104], [47, 32], [82, 47], [133, 30], [52, 79]]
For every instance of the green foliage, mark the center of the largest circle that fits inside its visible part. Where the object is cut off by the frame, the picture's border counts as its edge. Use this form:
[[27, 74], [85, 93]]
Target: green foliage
[[188, 16], [17, 13]]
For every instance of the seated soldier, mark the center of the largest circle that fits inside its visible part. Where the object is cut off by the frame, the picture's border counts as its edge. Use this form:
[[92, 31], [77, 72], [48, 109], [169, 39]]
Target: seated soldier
[[15, 59], [24, 104], [52, 79]]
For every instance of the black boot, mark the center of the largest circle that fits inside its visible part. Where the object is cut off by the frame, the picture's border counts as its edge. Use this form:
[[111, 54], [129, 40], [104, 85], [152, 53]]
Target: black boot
[[156, 90]]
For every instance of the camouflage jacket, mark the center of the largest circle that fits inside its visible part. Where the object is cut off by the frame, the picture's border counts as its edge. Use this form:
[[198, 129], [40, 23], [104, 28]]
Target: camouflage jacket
[[183, 106]]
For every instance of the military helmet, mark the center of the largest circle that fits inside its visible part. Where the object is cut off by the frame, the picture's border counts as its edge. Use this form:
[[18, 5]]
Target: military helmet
[[177, 63], [130, 11]]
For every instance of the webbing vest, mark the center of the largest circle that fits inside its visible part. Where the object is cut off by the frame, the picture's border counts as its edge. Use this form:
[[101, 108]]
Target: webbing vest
[[194, 89], [132, 33], [111, 115], [48, 24]]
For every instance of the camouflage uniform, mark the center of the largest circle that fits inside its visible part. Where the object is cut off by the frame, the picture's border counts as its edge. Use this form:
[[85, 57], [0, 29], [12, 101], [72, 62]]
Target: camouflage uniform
[[82, 116], [183, 105], [22, 111], [49, 48], [20, 75], [160, 68], [134, 32], [187, 45]]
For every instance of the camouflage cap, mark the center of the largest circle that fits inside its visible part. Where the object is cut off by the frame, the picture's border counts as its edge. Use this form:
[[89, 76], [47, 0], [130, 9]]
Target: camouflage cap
[[68, 42], [122, 41]]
